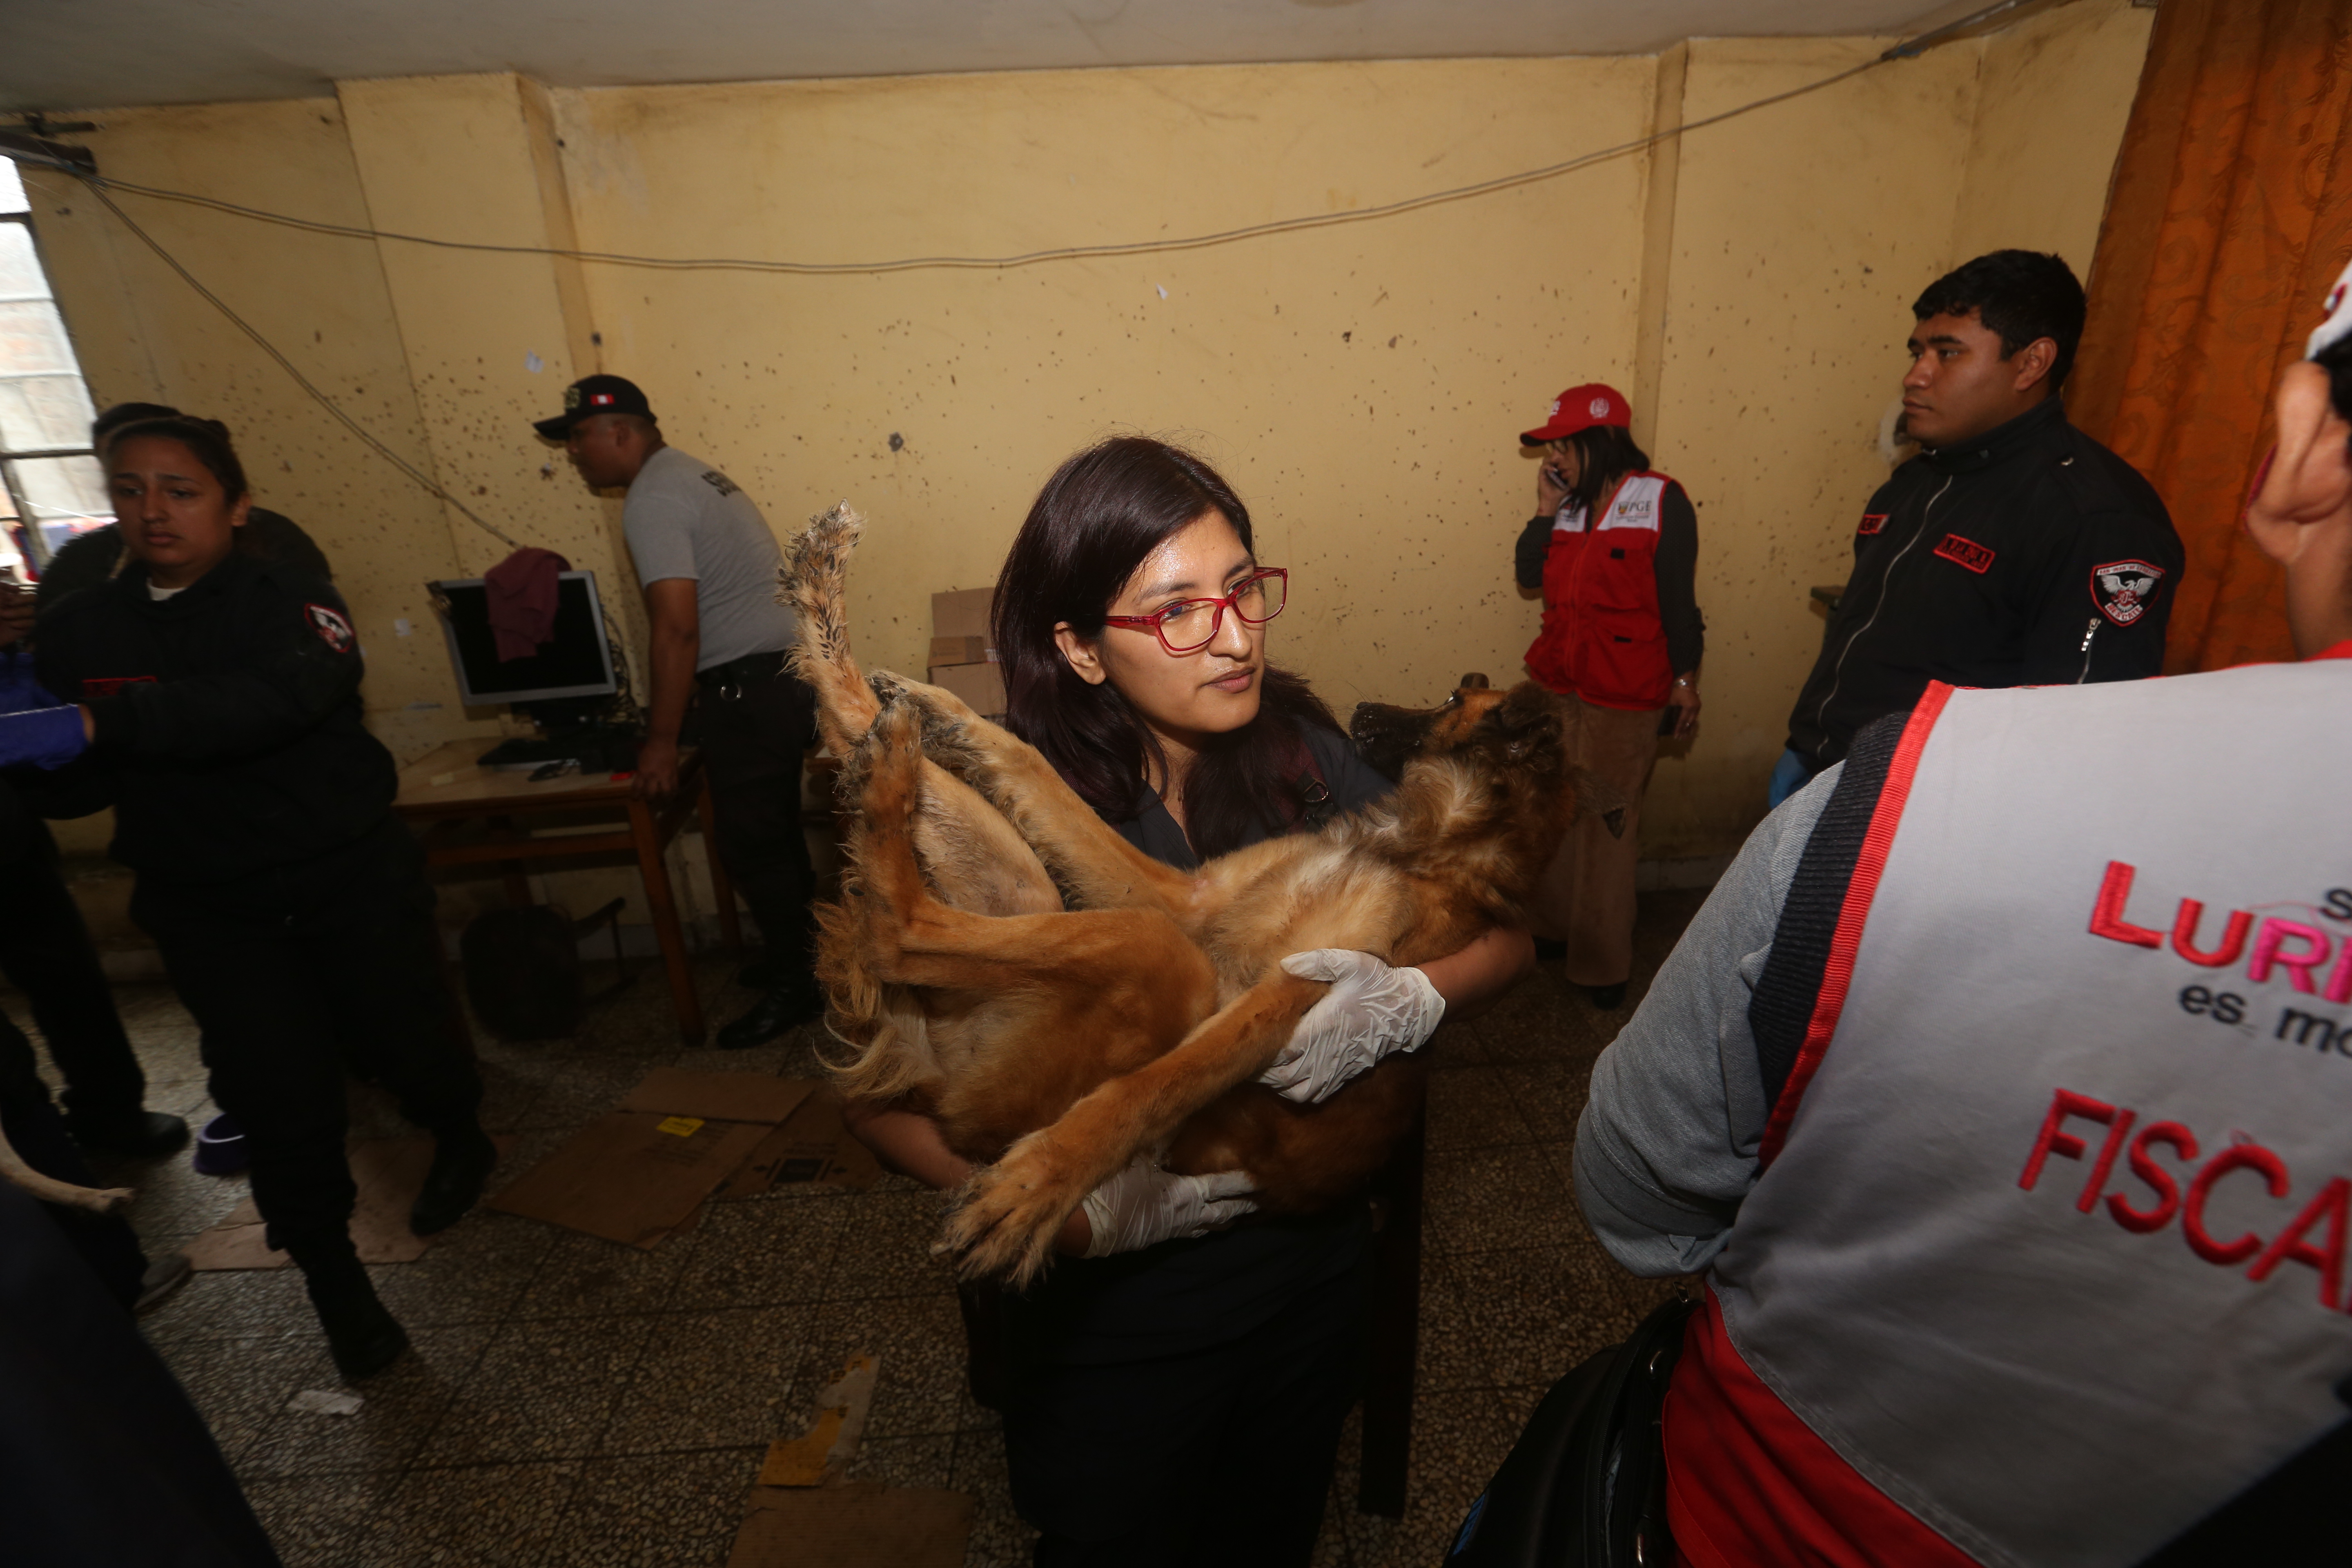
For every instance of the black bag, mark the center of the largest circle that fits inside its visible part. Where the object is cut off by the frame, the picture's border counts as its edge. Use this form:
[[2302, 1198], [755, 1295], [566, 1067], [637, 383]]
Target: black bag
[[1585, 1486]]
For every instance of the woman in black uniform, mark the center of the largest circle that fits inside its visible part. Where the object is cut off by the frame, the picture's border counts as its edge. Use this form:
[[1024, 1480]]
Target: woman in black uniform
[[216, 698], [1177, 1387]]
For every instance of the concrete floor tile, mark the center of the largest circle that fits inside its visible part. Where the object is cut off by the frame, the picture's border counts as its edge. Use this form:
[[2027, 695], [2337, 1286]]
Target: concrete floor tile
[[472, 1273], [587, 1275], [714, 1379], [758, 1254], [885, 1246], [922, 1382], [1472, 1108], [315, 1521], [474, 1516], [239, 1387], [402, 1405], [541, 1391], [668, 1510], [1550, 1095], [245, 1303], [1479, 1199]]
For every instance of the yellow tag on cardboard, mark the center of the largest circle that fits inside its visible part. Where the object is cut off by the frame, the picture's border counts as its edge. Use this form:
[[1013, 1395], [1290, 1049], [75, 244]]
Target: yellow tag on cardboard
[[679, 1126]]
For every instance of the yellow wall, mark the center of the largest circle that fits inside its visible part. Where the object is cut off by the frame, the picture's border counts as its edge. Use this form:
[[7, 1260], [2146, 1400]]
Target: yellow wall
[[2055, 93], [1359, 383]]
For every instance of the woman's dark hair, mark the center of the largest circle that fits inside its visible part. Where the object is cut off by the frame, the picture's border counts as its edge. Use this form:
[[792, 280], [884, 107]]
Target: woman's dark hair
[[114, 416], [1092, 525], [1604, 454], [207, 438]]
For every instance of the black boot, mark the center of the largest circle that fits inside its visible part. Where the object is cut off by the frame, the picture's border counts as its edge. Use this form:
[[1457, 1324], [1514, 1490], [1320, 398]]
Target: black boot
[[362, 1337], [462, 1159], [140, 1135], [1607, 999], [786, 1008]]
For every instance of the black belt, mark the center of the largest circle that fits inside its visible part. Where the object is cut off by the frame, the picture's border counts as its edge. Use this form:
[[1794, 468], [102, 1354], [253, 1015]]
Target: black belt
[[729, 679]]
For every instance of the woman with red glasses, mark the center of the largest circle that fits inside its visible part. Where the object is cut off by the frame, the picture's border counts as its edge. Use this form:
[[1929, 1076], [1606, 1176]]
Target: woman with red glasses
[[1175, 1385]]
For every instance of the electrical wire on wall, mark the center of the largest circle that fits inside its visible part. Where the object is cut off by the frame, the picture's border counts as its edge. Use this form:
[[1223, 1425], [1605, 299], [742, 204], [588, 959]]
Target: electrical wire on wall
[[2003, 12], [322, 399]]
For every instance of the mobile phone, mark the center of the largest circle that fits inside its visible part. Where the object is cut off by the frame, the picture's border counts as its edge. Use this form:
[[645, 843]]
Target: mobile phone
[[1667, 719]]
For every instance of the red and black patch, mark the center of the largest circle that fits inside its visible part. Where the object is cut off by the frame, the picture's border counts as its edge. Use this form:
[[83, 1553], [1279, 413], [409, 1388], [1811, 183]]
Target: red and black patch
[[1872, 521], [332, 628], [108, 685], [2122, 589], [1967, 553]]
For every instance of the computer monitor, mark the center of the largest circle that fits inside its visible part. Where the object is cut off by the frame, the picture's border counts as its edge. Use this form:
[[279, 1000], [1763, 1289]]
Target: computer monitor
[[576, 662]]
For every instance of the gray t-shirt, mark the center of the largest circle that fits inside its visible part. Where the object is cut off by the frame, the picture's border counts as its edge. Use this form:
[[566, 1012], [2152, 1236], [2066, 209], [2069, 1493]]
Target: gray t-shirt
[[686, 518]]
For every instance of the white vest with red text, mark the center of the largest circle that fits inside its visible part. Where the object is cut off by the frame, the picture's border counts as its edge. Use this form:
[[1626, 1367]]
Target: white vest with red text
[[2049, 1243]]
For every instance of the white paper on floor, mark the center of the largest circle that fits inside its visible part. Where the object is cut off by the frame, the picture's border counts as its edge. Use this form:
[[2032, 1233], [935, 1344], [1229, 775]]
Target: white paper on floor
[[326, 1402]]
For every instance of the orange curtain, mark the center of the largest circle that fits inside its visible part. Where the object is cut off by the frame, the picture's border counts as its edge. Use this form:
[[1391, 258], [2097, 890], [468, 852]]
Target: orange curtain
[[2230, 214]]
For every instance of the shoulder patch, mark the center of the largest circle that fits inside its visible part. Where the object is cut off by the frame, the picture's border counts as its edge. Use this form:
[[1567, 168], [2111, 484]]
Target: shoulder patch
[[1872, 521], [718, 481], [1967, 553], [332, 628], [2121, 589]]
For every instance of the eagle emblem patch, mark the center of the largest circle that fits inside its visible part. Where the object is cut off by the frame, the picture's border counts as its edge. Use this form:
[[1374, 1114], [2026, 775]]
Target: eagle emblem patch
[[2121, 589], [332, 628]]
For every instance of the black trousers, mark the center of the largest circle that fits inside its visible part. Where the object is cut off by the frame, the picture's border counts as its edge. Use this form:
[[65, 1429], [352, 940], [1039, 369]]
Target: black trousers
[[754, 736], [38, 1134], [46, 952], [1217, 1456], [103, 1461], [296, 974]]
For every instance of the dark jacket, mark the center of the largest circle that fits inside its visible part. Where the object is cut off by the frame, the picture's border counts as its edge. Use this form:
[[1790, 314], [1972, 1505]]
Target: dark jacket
[[226, 718], [2029, 556]]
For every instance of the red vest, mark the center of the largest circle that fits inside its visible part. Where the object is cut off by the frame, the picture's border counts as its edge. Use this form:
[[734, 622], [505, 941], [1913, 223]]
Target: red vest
[[1602, 638]]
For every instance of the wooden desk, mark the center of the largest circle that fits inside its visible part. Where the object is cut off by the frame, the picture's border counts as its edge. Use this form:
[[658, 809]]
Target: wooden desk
[[440, 791]]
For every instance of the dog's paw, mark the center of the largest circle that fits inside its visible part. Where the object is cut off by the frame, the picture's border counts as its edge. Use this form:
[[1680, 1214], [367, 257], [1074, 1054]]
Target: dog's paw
[[1007, 1215], [889, 686]]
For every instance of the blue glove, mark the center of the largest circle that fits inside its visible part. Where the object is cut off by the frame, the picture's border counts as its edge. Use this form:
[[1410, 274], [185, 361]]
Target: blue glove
[[41, 738]]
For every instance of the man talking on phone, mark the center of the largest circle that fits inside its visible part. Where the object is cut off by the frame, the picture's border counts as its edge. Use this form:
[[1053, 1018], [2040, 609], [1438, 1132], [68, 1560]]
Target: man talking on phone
[[707, 565]]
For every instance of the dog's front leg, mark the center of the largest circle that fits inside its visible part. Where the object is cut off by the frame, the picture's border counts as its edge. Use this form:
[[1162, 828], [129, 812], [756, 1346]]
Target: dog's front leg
[[1008, 1214]]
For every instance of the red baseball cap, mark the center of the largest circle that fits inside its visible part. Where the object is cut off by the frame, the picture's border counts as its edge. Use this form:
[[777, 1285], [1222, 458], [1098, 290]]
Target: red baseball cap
[[1581, 408]]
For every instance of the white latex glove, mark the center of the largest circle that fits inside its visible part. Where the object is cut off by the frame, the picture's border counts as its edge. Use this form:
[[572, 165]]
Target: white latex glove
[[1370, 1011], [1144, 1204]]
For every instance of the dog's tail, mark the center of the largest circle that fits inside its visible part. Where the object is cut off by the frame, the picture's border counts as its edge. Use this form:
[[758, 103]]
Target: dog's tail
[[814, 580]]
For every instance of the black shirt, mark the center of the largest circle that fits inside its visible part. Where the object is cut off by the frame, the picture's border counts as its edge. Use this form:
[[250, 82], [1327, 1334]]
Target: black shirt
[[226, 718], [1186, 1294], [2029, 556]]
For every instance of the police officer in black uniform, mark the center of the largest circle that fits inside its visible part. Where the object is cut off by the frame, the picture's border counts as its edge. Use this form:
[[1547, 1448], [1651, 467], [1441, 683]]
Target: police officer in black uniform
[[218, 695], [2013, 550]]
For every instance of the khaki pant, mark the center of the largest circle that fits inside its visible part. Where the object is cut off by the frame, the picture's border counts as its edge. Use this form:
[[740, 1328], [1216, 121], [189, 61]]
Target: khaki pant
[[1586, 895]]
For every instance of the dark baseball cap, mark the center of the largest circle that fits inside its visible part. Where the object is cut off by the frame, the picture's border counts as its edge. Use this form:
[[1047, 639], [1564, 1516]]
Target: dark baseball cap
[[593, 395]]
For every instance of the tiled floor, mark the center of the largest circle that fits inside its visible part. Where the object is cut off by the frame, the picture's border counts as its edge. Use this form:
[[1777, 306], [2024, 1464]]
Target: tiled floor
[[574, 1402]]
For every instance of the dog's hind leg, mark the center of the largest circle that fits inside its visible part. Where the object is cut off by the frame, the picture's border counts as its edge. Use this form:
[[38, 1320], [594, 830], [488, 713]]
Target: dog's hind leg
[[1098, 869], [1008, 1214], [814, 580]]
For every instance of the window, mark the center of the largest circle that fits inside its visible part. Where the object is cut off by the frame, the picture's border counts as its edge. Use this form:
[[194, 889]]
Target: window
[[50, 486]]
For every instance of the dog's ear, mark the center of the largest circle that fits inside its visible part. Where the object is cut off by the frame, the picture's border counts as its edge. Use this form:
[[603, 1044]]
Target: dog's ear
[[1528, 719], [1596, 796]]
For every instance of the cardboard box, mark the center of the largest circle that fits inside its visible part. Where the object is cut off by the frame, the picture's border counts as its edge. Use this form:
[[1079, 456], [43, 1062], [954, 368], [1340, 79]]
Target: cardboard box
[[962, 612], [981, 685], [643, 1170], [962, 650]]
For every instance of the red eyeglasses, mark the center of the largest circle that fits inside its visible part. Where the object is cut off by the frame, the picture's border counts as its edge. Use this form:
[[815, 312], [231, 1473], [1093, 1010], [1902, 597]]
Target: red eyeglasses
[[1188, 626]]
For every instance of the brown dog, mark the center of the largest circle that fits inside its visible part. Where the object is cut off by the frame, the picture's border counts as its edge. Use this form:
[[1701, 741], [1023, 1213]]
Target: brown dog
[[1060, 1002]]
